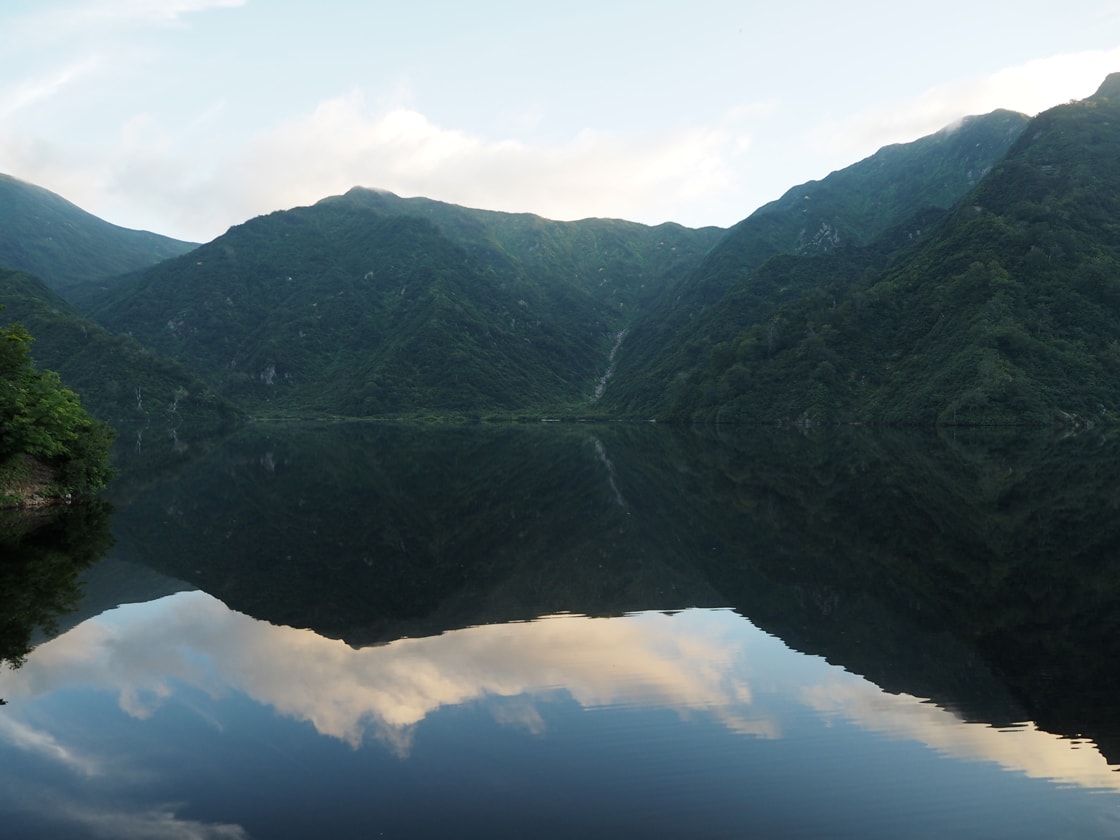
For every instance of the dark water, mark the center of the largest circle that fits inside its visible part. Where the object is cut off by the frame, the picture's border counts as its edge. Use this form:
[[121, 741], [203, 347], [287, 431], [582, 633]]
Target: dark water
[[570, 631]]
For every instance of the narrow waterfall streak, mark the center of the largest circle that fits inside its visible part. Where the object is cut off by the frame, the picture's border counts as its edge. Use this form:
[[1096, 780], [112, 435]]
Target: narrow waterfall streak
[[610, 366]]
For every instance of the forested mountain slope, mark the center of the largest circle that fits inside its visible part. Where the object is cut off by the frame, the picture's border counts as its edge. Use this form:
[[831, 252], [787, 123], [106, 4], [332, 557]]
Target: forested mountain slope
[[345, 309], [1007, 312], [855, 204], [117, 379], [621, 263], [969, 277], [47, 236], [850, 207]]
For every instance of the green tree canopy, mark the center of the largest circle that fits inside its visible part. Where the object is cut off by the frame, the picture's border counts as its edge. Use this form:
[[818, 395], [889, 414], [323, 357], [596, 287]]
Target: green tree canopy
[[49, 445]]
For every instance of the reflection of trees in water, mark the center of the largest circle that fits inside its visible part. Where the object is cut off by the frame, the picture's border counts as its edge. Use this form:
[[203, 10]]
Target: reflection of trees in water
[[373, 531], [1008, 544], [953, 566], [42, 554]]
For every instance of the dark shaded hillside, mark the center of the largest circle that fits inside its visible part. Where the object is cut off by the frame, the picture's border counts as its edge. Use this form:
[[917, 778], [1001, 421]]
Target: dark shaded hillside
[[853, 206], [856, 204], [623, 264], [703, 367], [1006, 313], [45, 235], [342, 309], [904, 184], [117, 379]]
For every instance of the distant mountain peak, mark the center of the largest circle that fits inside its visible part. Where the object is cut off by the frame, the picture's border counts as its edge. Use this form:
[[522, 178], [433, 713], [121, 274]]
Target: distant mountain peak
[[360, 190], [44, 234], [1109, 89]]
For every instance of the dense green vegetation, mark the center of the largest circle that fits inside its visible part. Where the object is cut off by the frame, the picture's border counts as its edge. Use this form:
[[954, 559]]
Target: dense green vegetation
[[856, 204], [965, 278], [340, 308], [45, 235], [622, 264], [909, 184], [49, 445], [116, 378], [1007, 312]]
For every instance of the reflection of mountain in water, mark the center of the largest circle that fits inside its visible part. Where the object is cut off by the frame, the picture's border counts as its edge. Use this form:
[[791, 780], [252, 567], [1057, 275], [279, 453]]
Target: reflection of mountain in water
[[1006, 545], [923, 563], [370, 532]]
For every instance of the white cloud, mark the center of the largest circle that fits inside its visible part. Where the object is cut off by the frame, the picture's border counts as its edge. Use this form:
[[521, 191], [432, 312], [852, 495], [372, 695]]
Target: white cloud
[[684, 662], [157, 823], [148, 11], [595, 173], [1024, 748], [177, 181], [29, 91], [1028, 88], [142, 164], [32, 740], [48, 30]]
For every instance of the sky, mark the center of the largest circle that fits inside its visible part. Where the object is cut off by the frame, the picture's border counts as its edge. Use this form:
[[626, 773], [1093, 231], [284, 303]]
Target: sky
[[186, 117]]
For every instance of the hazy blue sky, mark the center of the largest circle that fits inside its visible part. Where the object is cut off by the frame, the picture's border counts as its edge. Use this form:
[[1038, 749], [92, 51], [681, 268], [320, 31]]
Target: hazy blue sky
[[188, 116]]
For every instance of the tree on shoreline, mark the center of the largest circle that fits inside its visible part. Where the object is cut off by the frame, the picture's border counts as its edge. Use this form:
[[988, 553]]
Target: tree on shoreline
[[49, 444]]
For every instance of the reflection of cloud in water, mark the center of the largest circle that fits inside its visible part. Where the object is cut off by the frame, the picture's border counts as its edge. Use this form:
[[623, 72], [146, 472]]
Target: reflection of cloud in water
[[156, 823], [695, 661], [682, 662], [65, 815], [1024, 748], [159, 823], [31, 740]]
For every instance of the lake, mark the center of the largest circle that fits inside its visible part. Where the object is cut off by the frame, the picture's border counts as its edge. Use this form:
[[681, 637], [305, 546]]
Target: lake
[[570, 630]]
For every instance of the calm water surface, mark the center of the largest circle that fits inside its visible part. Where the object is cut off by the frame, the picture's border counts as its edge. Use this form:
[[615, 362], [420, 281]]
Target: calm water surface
[[366, 631]]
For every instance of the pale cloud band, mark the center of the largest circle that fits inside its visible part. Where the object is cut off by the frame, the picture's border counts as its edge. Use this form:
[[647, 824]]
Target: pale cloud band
[[158, 11], [1028, 88], [343, 144], [698, 662], [680, 175], [27, 92], [193, 175]]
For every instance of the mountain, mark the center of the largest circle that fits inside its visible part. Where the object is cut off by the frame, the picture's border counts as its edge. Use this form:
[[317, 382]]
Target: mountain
[[965, 278], [1005, 312], [911, 183], [368, 304], [621, 263], [116, 379], [858, 203], [45, 235]]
